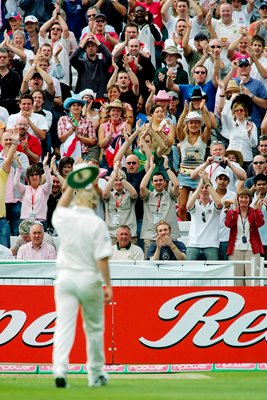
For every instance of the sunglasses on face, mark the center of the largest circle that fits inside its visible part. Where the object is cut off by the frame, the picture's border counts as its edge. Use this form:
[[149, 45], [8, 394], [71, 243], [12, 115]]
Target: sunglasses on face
[[215, 47], [131, 163], [258, 162], [91, 15], [200, 72]]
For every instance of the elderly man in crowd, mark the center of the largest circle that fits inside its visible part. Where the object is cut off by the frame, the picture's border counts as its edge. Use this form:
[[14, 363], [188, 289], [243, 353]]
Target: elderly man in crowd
[[24, 236], [37, 248], [124, 249]]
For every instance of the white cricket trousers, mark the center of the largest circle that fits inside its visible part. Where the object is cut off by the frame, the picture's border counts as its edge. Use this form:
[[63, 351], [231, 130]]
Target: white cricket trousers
[[74, 288]]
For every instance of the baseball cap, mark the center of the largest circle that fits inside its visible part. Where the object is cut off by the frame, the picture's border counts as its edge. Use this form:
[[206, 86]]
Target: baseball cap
[[15, 15], [30, 18], [100, 15], [219, 173], [173, 94], [243, 61], [201, 36], [263, 3]]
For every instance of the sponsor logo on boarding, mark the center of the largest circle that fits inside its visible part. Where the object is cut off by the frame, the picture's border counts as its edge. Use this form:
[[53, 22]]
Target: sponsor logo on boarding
[[115, 368], [190, 367], [147, 368], [205, 317], [49, 368], [239, 366], [262, 366], [18, 368]]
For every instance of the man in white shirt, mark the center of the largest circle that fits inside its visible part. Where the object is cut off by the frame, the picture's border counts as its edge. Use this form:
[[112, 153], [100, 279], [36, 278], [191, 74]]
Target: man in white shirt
[[182, 9], [259, 62], [37, 122], [205, 208], [82, 264]]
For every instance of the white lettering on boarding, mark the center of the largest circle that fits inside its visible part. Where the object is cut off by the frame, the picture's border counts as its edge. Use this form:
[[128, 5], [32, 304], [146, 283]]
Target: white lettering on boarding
[[209, 332]]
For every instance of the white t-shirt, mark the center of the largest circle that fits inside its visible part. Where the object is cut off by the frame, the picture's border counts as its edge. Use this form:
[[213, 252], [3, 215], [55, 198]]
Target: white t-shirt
[[84, 239], [203, 234], [37, 119], [255, 72], [63, 55]]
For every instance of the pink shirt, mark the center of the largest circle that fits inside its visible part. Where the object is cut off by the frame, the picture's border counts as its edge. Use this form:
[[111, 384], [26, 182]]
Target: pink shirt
[[45, 252], [12, 195], [34, 201]]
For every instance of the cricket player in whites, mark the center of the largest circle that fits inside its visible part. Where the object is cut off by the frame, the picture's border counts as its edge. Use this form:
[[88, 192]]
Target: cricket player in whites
[[82, 263]]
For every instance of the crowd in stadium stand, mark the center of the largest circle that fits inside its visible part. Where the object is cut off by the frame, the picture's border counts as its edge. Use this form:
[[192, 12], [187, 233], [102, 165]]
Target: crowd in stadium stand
[[168, 98]]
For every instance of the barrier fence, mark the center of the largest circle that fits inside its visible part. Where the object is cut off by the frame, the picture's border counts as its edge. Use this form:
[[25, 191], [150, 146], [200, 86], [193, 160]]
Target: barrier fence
[[156, 319]]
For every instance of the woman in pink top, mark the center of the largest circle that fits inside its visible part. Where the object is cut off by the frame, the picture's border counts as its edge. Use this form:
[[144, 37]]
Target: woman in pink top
[[114, 127], [35, 195]]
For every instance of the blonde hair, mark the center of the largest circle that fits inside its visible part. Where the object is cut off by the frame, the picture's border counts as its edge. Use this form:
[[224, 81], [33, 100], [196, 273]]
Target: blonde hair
[[86, 198]]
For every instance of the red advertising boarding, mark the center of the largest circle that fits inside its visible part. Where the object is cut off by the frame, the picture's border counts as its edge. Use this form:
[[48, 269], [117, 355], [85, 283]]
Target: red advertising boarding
[[147, 325]]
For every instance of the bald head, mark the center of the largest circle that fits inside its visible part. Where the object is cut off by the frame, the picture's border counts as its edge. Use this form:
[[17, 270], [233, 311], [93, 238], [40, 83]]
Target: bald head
[[6, 139], [22, 125], [132, 164], [134, 47]]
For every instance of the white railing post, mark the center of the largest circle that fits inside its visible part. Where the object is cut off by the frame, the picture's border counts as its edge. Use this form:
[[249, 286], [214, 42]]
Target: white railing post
[[253, 270]]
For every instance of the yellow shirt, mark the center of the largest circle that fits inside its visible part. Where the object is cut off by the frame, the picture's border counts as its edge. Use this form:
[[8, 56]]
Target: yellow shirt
[[3, 180]]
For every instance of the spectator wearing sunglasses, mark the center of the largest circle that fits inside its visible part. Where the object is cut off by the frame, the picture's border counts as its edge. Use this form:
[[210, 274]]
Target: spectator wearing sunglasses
[[209, 87], [211, 52], [259, 167], [135, 168], [205, 207], [262, 148], [119, 197], [91, 14]]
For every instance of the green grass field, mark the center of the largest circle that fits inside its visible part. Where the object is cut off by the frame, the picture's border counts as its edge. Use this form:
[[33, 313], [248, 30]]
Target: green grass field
[[206, 386]]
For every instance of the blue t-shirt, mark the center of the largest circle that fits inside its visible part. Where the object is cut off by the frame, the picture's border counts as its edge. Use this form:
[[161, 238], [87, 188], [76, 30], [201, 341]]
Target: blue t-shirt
[[208, 88], [257, 88], [166, 253]]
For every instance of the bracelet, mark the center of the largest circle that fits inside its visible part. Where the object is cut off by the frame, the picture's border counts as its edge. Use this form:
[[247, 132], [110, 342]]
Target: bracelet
[[222, 95], [129, 69], [251, 96], [166, 169]]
